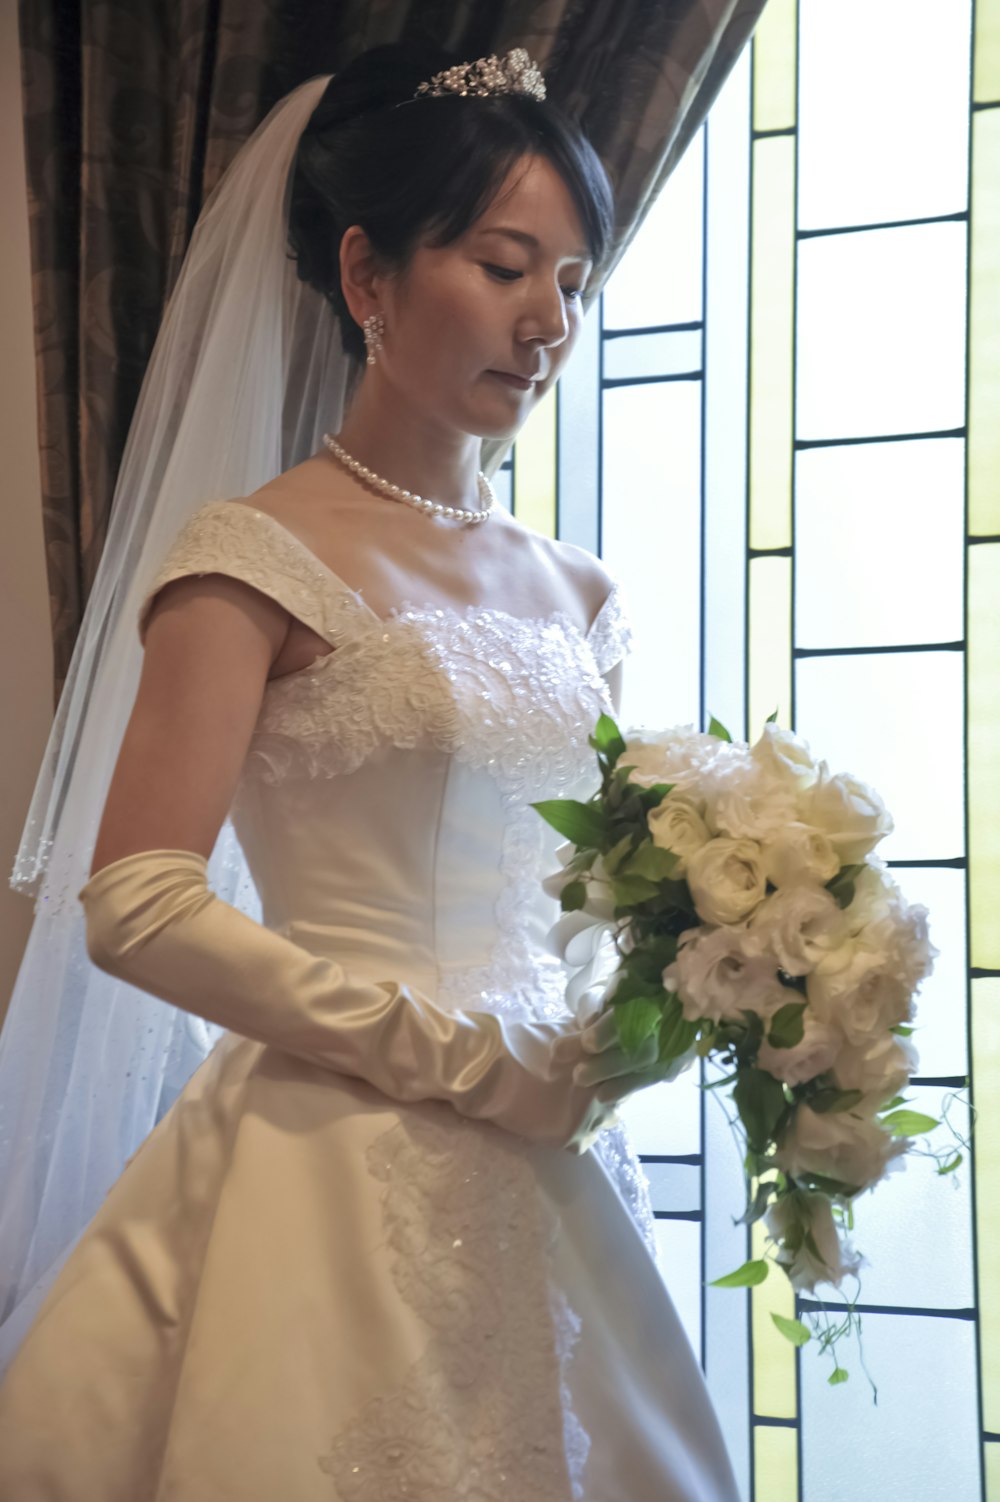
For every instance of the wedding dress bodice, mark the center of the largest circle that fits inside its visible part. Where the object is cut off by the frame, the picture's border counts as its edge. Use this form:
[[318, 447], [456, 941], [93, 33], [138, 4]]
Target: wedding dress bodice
[[427, 857]]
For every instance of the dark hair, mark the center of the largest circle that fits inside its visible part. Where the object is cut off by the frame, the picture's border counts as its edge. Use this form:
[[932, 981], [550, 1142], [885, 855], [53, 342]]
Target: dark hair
[[424, 172]]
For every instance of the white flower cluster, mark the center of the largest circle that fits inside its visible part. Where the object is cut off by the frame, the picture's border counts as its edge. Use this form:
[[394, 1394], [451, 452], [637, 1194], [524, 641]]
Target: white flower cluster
[[760, 832]]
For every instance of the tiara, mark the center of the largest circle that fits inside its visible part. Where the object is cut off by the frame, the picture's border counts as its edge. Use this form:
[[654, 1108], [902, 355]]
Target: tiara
[[514, 73]]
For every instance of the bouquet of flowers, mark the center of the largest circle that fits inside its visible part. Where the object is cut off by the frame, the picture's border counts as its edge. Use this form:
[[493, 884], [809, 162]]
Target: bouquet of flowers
[[722, 900]]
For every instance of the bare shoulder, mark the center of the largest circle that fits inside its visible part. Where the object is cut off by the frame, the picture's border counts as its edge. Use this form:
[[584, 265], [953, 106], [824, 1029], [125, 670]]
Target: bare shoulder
[[577, 575], [291, 496]]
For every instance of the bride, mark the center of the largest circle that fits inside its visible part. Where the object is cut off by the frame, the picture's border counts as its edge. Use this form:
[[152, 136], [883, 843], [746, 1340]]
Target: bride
[[390, 1241]]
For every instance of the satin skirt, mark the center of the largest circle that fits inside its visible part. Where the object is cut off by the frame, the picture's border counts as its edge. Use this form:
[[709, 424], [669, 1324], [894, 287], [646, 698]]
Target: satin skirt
[[298, 1289]]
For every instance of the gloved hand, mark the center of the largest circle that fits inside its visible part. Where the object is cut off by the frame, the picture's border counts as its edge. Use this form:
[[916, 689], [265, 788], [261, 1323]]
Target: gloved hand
[[153, 921], [608, 1065]]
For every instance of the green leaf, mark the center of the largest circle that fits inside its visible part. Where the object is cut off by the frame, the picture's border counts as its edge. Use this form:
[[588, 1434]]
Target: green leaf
[[651, 862], [573, 896], [747, 1276], [758, 1204], [837, 1376], [580, 822], [676, 1032], [654, 795], [901, 1031], [787, 1025], [897, 1100], [650, 958], [637, 1019], [607, 739], [716, 728], [618, 853], [951, 1165], [772, 717], [833, 1187], [792, 1329], [760, 1101], [908, 1123], [630, 890]]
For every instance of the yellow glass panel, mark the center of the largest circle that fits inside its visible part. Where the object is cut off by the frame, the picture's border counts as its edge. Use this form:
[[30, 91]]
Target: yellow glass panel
[[535, 468], [772, 287], [984, 327], [986, 1073], [770, 643], [986, 63], [984, 755], [776, 1466], [992, 1463], [773, 1355], [774, 65]]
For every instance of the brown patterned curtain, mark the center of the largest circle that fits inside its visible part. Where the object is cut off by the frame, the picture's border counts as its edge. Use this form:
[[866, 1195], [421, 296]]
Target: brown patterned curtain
[[133, 110]]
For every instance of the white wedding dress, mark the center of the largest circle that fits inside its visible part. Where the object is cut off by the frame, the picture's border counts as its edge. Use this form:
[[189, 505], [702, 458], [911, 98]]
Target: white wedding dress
[[298, 1290]]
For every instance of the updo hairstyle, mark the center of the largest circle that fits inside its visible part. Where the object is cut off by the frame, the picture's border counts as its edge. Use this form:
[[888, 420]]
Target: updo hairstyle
[[422, 173]]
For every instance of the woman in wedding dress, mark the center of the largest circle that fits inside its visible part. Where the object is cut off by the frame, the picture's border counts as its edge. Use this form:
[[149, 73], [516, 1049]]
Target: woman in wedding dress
[[390, 1242]]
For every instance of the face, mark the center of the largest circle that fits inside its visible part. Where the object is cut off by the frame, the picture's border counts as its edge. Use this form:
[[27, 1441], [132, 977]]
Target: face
[[504, 300]]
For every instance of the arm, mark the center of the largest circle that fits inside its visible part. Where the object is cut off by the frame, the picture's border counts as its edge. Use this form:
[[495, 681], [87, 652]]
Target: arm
[[153, 921]]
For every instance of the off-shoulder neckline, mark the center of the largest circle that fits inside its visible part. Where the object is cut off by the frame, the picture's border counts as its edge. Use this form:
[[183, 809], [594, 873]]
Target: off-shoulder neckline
[[435, 608]]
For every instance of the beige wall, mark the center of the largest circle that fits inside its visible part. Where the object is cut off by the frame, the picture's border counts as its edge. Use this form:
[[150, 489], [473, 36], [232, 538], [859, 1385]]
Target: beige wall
[[25, 639]]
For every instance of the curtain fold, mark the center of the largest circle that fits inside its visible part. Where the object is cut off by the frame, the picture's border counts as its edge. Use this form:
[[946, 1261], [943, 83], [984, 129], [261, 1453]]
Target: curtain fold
[[133, 111]]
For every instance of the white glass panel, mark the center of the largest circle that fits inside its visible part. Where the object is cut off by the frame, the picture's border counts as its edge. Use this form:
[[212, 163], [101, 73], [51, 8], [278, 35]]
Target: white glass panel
[[658, 279], [940, 1030], [665, 1118], [895, 146], [879, 544], [881, 332], [726, 293], [679, 1243], [652, 354], [674, 1186], [921, 1441], [895, 720], [651, 539]]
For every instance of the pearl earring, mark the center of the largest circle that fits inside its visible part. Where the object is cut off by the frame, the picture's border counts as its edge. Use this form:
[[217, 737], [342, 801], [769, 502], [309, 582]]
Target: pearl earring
[[374, 327]]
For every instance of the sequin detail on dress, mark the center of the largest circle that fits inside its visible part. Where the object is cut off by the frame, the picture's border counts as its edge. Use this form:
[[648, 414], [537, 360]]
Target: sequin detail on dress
[[480, 1415]]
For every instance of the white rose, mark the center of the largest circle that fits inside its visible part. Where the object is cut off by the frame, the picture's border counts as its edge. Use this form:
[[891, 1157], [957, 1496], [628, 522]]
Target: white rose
[[814, 1055], [838, 1144], [782, 755], [676, 825], [800, 926], [789, 1219], [715, 977], [750, 811], [796, 853], [856, 989], [726, 879], [849, 812], [682, 756], [879, 1068]]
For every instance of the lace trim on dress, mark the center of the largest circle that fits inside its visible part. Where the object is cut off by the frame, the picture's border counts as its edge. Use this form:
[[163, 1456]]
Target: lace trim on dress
[[225, 537], [480, 1415]]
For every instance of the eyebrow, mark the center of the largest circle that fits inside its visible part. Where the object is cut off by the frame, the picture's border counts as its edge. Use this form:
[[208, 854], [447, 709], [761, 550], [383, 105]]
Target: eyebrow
[[526, 239]]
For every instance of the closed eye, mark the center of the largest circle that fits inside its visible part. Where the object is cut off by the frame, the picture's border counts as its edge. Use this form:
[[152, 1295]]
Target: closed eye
[[508, 274]]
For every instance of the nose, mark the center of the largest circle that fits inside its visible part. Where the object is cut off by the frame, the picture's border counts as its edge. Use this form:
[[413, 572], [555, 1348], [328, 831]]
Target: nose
[[543, 316]]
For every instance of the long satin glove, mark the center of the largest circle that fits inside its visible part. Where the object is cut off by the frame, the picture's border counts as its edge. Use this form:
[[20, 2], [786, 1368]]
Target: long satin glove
[[153, 921]]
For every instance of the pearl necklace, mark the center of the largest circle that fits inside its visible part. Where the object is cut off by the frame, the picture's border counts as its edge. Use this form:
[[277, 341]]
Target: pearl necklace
[[410, 497]]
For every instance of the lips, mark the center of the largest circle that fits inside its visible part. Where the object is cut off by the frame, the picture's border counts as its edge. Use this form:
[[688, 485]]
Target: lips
[[522, 383]]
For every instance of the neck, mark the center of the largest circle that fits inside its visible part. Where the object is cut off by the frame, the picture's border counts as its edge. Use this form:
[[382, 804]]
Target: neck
[[409, 448]]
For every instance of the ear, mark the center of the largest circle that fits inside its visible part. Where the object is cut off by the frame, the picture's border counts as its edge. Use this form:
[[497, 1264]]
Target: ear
[[359, 274]]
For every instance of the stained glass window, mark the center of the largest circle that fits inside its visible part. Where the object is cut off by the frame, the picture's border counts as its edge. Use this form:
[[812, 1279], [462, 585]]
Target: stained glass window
[[782, 432]]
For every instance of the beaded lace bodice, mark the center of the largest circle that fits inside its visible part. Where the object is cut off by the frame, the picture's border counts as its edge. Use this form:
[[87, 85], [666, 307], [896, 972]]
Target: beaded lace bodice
[[385, 803]]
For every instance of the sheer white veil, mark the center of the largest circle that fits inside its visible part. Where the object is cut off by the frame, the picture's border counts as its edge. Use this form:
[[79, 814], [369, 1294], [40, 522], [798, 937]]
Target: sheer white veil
[[247, 372]]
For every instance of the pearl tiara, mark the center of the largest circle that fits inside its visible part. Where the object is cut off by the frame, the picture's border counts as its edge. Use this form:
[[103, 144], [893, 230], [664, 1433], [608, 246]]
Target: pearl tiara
[[514, 73]]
